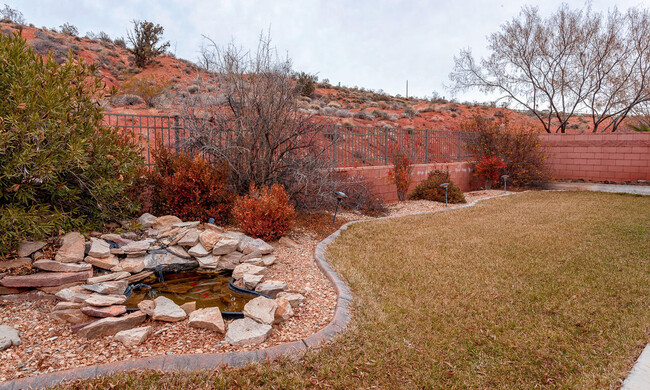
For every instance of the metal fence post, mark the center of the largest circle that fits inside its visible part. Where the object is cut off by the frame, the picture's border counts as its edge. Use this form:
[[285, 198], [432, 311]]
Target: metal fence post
[[459, 145], [177, 139], [386, 146], [334, 144], [426, 146]]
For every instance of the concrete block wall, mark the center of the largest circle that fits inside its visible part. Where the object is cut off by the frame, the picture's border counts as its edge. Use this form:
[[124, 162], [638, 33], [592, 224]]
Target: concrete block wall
[[616, 157], [459, 172]]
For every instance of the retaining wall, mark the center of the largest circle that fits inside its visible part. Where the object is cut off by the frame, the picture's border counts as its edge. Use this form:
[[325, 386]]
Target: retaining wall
[[459, 172], [615, 157]]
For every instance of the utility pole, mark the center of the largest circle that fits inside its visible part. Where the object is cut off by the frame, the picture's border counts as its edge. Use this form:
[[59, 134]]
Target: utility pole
[[407, 89]]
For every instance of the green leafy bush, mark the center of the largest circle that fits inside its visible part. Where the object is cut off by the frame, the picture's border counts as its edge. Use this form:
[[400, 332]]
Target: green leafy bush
[[264, 213], [145, 42], [430, 189], [59, 167], [189, 188]]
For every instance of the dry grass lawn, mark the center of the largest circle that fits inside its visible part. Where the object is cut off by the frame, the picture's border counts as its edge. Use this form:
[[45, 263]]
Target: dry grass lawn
[[539, 290]]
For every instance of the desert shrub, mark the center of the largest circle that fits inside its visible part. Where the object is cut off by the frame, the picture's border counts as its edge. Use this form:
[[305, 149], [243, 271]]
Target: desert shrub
[[265, 212], [361, 196], [364, 115], [12, 15], [148, 88], [190, 188], [519, 148], [69, 29], [126, 100], [306, 83], [409, 112], [120, 42], [401, 172], [60, 168], [329, 111], [489, 169], [430, 189], [145, 42]]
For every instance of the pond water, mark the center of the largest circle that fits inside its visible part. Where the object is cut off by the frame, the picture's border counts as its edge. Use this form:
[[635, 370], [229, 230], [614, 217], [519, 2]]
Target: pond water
[[207, 290]]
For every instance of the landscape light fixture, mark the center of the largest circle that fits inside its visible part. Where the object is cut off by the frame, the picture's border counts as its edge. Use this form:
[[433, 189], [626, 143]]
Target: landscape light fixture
[[446, 186], [505, 182], [339, 197]]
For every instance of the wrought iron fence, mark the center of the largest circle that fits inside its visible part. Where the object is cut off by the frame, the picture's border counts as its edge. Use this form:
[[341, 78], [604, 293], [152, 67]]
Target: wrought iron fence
[[344, 146]]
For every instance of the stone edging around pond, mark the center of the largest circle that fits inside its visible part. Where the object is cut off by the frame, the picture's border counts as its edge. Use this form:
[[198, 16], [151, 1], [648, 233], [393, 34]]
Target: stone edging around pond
[[191, 362]]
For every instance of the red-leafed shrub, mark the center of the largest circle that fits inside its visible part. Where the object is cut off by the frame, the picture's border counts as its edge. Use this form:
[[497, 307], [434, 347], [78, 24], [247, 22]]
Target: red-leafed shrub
[[265, 212], [489, 169], [401, 173], [189, 188]]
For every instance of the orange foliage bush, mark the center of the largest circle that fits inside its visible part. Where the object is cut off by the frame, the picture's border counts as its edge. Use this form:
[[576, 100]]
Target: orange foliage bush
[[518, 148], [401, 173], [264, 213], [189, 188]]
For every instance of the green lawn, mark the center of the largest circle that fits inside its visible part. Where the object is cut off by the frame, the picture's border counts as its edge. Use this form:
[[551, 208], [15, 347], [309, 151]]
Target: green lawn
[[539, 290]]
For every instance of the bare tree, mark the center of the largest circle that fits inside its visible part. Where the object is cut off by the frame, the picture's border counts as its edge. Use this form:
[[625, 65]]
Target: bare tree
[[259, 131], [572, 62]]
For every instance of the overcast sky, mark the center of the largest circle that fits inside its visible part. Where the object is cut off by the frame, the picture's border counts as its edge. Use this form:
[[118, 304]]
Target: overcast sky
[[375, 44]]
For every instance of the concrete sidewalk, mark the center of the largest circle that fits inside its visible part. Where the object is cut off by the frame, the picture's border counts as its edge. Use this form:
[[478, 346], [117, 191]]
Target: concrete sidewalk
[[618, 188]]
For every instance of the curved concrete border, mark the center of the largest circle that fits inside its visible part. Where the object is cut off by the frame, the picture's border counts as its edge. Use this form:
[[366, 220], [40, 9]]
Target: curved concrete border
[[191, 362]]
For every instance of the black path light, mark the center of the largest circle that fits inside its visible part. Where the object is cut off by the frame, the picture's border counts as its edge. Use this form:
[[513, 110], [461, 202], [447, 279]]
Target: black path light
[[446, 186], [505, 182], [339, 197]]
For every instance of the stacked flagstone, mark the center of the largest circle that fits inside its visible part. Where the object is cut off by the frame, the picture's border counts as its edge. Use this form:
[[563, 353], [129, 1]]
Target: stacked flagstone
[[91, 277]]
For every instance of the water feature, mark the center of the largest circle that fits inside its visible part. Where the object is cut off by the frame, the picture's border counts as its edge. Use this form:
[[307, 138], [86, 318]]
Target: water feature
[[206, 289]]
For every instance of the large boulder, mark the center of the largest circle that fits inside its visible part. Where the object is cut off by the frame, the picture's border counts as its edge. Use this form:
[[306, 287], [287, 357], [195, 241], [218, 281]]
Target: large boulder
[[73, 246], [8, 337], [167, 310], [146, 220], [57, 266], [133, 337], [165, 222], [208, 318], [168, 262], [112, 325], [45, 279], [246, 331], [261, 309]]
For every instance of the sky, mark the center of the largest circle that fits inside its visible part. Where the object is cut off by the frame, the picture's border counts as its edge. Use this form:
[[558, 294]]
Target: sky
[[374, 44]]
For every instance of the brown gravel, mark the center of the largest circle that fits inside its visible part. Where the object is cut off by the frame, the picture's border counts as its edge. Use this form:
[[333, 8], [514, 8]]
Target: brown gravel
[[48, 345]]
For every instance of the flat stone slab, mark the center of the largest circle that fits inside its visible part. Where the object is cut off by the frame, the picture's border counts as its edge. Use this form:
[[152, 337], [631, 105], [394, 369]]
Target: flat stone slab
[[189, 239], [45, 279], [76, 294], [250, 269], [198, 251], [208, 318], [133, 337], [26, 248], [168, 262], [71, 316], [225, 245], [271, 287], [99, 248], [57, 266], [110, 326], [166, 221], [294, 299], [103, 312], [249, 245], [117, 287], [16, 263], [109, 277], [179, 251], [136, 247], [246, 331], [132, 264], [8, 337], [105, 262], [104, 300], [146, 220]]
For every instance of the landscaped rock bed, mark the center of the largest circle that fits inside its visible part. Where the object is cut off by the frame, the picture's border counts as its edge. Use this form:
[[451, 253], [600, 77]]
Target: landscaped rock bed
[[72, 312], [46, 344]]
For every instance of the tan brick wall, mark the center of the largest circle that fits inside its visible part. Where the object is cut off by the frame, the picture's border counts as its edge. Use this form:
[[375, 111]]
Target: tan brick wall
[[599, 157], [460, 174]]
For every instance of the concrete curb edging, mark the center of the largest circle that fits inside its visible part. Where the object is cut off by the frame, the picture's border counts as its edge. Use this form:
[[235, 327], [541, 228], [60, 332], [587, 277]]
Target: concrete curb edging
[[191, 362]]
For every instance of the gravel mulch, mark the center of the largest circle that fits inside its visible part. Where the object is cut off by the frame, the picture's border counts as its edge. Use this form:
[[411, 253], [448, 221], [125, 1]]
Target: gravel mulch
[[48, 345]]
